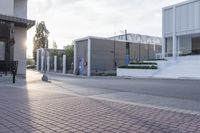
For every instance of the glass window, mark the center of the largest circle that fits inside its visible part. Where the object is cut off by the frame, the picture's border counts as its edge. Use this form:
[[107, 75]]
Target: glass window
[[168, 47], [2, 50]]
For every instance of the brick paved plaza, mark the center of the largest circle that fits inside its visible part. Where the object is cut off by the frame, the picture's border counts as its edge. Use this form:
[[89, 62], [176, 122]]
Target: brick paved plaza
[[32, 110]]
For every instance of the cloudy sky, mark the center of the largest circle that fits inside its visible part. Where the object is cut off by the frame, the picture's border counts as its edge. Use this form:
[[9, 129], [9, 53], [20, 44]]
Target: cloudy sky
[[71, 19]]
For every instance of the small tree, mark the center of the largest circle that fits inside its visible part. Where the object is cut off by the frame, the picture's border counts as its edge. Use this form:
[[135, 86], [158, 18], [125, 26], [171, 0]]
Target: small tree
[[69, 52], [55, 47], [41, 38]]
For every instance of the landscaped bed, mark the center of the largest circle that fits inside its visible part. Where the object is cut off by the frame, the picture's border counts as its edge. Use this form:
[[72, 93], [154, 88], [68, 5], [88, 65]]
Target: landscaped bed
[[143, 63], [138, 69]]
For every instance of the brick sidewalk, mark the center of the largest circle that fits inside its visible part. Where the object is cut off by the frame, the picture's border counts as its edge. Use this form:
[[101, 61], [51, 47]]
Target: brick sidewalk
[[41, 111]]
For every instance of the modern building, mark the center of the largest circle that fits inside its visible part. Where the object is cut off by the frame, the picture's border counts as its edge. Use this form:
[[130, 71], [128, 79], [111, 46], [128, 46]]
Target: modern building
[[13, 32], [94, 55], [181, 29], [181, 44]]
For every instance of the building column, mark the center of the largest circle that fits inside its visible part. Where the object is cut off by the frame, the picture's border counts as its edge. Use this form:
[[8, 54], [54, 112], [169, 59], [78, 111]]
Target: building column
[[42, 60], [48, 63], [55, 64], [174, 51], [178, 46], [38, 59], [75, 58], [163, 47], [163, 35], [89, 58], [64, 64]]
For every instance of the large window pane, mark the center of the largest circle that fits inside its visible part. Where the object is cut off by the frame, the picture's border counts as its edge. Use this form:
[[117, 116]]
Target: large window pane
[[2, 50]]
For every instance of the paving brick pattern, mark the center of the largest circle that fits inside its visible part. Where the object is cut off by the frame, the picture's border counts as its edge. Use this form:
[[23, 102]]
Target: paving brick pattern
[[41, 111]]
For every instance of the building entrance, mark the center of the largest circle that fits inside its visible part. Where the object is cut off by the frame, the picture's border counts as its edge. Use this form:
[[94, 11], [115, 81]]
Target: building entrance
[[196, 46]]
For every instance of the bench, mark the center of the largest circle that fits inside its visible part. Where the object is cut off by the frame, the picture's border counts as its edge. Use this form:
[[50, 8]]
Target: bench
[[9, 67]]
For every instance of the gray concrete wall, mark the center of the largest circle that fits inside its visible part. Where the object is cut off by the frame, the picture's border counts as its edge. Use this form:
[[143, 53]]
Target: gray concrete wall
[[105, 53], [143, 51], [81, 48]]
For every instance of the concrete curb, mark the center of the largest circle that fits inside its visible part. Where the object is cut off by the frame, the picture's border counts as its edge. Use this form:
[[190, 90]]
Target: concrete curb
[[124, 77]]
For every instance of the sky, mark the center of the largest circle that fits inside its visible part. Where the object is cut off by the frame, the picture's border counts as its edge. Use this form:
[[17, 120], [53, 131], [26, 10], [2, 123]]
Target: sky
[[68, 20]]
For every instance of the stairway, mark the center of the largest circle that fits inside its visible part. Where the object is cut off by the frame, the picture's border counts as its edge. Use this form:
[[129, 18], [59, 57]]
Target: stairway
[[182, 67]]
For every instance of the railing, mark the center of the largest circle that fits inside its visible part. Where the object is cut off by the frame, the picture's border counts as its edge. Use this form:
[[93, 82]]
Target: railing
[[7, 67]]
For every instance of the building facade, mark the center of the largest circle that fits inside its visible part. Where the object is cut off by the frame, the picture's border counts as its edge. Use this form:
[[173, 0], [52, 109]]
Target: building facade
[[13, 32], [93, 55], [181, 29]]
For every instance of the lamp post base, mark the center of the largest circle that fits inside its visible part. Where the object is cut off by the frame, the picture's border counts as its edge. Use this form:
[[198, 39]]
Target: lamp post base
[[44, 78]]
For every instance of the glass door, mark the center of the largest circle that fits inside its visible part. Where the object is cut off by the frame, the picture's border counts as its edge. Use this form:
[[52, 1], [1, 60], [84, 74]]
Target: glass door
[[196, 46], [2, 50]]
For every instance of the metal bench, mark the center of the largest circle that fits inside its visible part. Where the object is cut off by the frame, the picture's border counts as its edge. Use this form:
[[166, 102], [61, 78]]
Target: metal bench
[[9, 67]]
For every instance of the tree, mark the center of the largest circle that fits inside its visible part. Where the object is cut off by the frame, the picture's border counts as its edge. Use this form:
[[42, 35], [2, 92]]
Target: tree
[[40, 40], [55, 47], [69, 52]]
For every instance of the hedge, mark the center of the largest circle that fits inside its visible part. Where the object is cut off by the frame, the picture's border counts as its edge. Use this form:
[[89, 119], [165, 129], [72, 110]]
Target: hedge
[[143, 63], [139, 67]]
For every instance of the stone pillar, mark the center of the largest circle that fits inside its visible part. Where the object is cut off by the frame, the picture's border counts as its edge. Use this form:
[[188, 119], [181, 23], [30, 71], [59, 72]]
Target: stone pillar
[[89, 58], [163, 35], [48, 63], [178, 46], [42, 60], [75, 57], [38, 59], [64, 64], [174, 51], [55, 64]]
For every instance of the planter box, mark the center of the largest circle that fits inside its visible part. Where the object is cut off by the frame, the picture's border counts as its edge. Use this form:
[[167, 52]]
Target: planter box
[[136, 72], [141, 65]]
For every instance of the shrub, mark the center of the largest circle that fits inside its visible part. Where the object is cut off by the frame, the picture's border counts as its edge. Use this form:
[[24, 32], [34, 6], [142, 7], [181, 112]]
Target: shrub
[[143, 63], [139, 67], [157, 60]]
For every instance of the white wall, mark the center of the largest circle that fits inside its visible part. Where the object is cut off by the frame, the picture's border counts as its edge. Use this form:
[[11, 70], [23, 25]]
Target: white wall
[[168, 21], [187, 18], [20, 49], [20, 8], [7, 7]]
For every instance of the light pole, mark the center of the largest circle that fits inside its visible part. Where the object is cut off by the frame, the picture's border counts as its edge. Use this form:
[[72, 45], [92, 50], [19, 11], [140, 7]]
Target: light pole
[[45, 77]]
